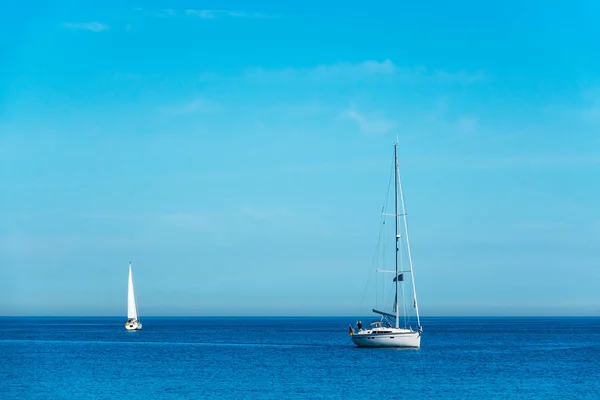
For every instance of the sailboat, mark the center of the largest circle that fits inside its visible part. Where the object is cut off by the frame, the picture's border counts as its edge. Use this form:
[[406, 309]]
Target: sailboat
[[388, 331], [132, 324]]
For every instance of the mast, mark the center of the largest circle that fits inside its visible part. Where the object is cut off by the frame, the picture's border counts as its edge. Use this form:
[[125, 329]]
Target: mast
[[396, 183], [412, 276]]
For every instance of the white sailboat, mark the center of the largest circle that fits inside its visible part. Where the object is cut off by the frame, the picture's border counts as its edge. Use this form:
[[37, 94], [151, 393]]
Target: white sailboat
[[132, 324], [388, 331]]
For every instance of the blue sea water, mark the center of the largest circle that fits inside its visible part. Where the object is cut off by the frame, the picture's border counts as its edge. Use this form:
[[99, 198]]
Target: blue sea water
[[296, 358]]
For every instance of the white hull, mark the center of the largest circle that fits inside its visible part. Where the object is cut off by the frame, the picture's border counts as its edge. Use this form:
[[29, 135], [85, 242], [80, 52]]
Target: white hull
[[133, 326], [404, 339]]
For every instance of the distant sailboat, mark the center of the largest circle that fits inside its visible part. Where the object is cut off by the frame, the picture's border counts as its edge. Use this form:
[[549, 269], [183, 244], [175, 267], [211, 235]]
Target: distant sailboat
[[387, 332], [132, 323]]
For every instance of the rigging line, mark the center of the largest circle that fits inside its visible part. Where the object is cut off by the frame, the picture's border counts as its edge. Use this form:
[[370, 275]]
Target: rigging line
[[407, 309], [381, 244], [384, 216], [412, 275], [374, 261], [362, 300], [400, 249], [405, 291], [377, 246]]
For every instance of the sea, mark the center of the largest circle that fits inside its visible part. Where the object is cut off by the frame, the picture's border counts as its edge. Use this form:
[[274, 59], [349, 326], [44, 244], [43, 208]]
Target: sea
[[296, 358]]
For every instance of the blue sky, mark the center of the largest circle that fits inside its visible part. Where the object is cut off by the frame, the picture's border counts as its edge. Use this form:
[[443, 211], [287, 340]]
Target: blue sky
[[238, 154]]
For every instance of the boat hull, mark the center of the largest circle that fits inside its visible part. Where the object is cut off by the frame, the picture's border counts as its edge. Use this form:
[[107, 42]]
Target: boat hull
[[133, 326], [407, 340]]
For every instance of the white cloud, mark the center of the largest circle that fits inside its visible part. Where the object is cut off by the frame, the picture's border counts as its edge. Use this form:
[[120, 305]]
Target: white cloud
[[201, 13], [86, 26], [375, 123], [194, 106], [225, 13], [251, 14], [368, 67], [205, 14], [362, 70], [324, 72]]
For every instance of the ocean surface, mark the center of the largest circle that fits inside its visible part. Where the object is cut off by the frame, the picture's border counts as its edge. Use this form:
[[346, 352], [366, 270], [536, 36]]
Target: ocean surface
[[296, 358]]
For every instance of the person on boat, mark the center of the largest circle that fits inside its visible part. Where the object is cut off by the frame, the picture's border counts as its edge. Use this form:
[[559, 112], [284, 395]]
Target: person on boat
[[359, 325]]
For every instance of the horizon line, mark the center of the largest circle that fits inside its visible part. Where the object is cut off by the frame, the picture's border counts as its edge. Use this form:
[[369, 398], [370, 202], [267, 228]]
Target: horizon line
[[299, 316]]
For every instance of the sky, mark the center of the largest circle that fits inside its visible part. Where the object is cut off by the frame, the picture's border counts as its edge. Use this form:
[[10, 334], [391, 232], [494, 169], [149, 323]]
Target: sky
[[238, 154]]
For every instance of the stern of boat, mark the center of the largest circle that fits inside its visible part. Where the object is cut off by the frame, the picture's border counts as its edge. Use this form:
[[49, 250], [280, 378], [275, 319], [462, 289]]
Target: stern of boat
[[133, 325]]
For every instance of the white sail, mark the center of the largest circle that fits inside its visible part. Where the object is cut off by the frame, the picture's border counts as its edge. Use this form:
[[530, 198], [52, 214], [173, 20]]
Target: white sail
[[131, 308]]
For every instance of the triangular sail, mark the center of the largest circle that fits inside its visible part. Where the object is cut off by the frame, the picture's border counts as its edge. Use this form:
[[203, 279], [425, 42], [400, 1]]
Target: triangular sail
[[131, 307]]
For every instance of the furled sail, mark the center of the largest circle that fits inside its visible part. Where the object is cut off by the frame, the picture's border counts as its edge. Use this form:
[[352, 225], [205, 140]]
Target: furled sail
[[387, 314]]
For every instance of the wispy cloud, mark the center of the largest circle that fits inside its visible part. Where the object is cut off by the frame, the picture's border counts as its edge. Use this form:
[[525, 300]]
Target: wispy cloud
[[86, 26], [204, 14], [373, 123], [324, 72], [226, 13], [368, 69]]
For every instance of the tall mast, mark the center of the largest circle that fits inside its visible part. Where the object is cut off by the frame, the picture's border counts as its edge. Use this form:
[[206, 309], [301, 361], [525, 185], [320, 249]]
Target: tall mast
[[412, 276], [396, 183]]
